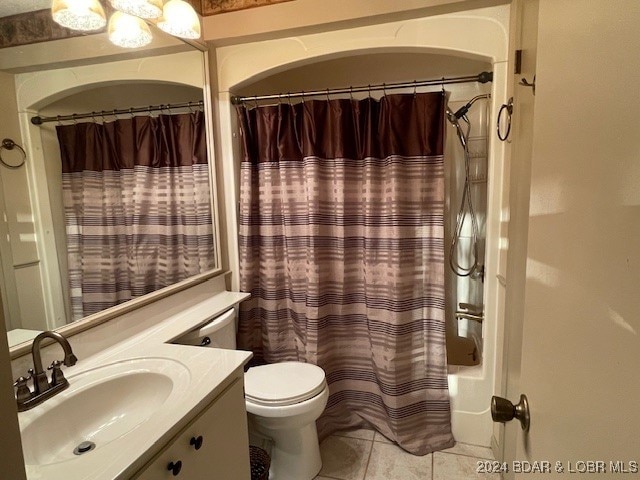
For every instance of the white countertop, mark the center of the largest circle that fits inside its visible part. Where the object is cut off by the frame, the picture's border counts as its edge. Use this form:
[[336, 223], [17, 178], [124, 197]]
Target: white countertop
[[210, 371]]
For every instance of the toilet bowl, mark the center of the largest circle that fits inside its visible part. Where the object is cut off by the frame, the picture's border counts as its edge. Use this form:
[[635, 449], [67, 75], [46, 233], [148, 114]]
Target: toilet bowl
[[283, 402]]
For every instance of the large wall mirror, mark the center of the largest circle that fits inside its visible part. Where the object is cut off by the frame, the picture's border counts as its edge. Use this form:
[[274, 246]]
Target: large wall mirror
[[109, 211]]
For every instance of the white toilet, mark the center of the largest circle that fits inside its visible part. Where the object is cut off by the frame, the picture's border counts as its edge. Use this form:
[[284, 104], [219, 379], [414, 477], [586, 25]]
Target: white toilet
[[283, 402]]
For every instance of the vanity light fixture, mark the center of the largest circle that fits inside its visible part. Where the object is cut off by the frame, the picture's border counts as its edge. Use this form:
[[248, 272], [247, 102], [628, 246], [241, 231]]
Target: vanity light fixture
[[180, 20], [139, 8], [127, 26], [85, 15], [128, 31]]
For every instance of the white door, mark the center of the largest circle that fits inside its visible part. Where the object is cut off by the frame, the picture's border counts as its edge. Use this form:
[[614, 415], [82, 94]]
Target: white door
[[580, 342]]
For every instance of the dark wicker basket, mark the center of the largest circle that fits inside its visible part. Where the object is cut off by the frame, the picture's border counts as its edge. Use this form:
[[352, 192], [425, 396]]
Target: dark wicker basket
[[260, 462]]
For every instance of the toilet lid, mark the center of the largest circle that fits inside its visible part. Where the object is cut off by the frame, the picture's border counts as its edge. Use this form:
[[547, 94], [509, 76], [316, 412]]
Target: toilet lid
[[283, 383]]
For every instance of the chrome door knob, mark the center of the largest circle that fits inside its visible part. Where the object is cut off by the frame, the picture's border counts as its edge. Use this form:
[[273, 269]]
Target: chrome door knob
[[502, 410]]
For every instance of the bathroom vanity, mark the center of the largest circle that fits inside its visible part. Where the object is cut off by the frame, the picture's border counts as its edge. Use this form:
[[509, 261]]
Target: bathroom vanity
[[146, 408]]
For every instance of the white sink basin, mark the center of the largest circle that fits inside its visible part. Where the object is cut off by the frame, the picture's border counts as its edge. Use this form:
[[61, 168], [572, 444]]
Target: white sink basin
[[101, 405]]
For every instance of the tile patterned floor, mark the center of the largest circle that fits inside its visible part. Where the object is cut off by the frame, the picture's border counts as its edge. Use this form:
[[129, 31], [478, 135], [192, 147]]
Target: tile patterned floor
[[367, 455]]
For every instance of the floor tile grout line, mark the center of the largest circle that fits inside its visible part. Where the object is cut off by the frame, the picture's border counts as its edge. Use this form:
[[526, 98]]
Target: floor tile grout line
[[341, 435], [464, 455], [433, 466], [366, 468]]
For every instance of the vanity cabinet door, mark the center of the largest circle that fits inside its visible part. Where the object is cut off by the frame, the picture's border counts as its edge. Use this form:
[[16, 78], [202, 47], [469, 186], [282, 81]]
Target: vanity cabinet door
[[214, 446]]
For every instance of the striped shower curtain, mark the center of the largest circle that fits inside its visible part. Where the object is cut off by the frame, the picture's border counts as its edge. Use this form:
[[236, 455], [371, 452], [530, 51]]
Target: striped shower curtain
[[341, 248], [137, 207]]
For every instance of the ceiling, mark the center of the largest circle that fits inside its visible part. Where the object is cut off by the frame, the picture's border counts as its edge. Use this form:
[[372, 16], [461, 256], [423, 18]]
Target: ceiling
[[13, 7]]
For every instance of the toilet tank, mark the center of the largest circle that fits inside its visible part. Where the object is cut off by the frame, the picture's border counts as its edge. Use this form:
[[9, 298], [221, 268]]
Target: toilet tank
[[219, 332]]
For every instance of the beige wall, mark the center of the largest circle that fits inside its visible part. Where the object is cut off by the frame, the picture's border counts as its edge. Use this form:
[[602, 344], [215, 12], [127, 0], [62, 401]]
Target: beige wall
[[10, 128], [308, 16], [18, 249], [524, 37]]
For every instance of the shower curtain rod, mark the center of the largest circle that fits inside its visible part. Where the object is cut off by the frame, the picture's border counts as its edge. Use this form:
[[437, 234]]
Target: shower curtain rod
[[37, 120], [483, 77]]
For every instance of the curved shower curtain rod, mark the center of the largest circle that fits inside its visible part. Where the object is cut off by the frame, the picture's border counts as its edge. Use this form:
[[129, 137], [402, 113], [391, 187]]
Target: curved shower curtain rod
[[482, 77]]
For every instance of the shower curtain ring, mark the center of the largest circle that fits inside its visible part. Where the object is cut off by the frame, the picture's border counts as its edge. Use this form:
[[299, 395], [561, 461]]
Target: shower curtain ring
[[58, 119], [328, 99], [289, 97], [415, 87], [351, 92], [384, 89], [442, 85]]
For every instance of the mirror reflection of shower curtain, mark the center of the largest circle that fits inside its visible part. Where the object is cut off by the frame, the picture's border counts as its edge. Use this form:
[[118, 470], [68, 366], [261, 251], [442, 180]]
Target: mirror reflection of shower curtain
[[137, 207], [342, 250]]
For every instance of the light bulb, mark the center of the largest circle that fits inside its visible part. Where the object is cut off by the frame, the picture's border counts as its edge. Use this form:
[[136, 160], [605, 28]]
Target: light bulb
[[180, 20], [86, 15], [128, 31], [139, 8]]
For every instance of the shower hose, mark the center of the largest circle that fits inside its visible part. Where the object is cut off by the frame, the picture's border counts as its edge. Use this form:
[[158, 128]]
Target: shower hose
[[466, 205]]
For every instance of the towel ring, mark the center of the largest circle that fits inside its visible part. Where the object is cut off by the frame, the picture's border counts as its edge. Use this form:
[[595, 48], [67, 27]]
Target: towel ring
[[8, 144], [508, 108]]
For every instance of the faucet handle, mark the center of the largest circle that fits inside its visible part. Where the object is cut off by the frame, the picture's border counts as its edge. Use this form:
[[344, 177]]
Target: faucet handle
[[22, 390], [57, 377]]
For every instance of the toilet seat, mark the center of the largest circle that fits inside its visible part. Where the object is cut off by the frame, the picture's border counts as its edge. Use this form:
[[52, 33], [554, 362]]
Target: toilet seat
[[281, 384]]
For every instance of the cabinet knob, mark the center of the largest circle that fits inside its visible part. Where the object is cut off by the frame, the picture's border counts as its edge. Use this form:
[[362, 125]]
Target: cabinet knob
[[196, 442], [175, 467]]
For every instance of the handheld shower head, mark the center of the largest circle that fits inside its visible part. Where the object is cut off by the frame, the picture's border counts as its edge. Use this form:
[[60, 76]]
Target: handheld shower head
[[462, 111]]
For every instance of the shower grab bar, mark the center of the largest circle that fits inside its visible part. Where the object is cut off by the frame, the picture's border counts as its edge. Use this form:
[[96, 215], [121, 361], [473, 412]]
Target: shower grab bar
[[470, 316], [470, 311]]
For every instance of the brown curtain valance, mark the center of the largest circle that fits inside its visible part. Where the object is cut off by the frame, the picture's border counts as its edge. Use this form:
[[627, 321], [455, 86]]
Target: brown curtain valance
[[344, 128], [139, 141]]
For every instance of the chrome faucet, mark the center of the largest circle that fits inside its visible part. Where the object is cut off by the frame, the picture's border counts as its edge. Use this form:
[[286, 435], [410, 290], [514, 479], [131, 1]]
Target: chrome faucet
[[42, 388]]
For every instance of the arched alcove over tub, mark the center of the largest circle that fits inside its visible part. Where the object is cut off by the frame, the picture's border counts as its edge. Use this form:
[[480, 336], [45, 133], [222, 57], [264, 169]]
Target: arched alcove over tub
[[484, 41]]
